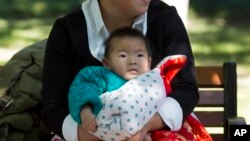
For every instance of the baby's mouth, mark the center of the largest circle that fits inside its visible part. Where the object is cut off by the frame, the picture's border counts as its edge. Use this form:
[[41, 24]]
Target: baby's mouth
[[133, 71]]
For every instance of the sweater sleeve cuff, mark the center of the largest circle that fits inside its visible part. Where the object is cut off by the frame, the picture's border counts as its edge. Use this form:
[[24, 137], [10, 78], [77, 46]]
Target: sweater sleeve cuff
[[69, 129], [172, 118]]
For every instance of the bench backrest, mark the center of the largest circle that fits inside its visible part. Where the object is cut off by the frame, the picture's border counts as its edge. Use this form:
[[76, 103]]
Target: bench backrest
[[218, 99]]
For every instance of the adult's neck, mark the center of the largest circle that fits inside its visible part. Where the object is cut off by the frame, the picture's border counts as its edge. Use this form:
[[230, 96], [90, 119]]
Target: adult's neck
[[113, 18]]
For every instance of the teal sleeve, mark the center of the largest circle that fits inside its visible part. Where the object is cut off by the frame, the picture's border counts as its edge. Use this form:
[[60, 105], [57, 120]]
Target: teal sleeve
[[88, 85]]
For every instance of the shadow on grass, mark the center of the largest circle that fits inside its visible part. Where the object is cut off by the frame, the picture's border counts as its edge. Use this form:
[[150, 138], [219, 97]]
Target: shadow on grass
[[20, 33], [17, 9], [27, 21], [227, 43]]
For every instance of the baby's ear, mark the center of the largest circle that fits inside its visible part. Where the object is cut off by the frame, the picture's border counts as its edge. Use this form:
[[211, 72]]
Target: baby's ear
[[149, 62], [105, 62]]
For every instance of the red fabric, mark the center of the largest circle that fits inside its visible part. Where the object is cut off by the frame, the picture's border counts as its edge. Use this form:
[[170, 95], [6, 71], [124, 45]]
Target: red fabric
[[170, 68], [192, 129]]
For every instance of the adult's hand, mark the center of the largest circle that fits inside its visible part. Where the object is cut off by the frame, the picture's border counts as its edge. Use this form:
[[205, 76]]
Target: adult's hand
[[139, 136], [154, 123], [83, 135]]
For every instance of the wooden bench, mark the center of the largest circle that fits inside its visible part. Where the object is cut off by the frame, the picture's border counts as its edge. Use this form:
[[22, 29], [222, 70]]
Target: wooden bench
[[217, 106], [218, 98]]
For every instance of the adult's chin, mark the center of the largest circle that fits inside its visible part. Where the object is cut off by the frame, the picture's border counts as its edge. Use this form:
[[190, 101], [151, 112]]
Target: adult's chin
[[143, 8]]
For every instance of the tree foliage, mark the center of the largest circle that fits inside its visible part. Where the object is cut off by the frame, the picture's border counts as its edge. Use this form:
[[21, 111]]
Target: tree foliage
[[231, 10]]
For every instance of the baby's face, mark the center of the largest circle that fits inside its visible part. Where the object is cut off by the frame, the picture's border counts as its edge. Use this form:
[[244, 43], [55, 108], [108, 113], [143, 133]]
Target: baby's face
[[128, 57]]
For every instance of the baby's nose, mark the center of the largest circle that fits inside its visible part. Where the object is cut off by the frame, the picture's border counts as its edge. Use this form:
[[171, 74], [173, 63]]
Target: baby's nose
[[132, 61]]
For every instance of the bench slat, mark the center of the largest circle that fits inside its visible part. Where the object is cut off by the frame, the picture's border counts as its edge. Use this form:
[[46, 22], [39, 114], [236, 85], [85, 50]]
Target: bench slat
[[211, 118], [209, 76], [211, 98], [218, 137]]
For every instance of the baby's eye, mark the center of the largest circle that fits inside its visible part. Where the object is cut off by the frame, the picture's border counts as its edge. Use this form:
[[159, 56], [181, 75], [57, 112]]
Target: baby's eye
[[140, 55], [122, 55]]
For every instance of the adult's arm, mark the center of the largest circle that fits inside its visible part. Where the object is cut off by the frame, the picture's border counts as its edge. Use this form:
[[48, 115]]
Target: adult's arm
[[184, 96], [168, 36], [66, 53], [57, 76]]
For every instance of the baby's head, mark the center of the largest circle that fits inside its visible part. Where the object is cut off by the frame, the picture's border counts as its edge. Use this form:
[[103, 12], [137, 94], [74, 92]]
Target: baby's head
[[127, 53]]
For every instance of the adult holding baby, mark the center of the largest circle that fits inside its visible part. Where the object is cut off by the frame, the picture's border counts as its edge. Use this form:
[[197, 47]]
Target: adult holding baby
[[76, 41]]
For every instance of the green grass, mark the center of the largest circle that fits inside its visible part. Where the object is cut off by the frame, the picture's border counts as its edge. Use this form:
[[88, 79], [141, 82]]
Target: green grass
[[23, 24], [18, 33], [214, 42]]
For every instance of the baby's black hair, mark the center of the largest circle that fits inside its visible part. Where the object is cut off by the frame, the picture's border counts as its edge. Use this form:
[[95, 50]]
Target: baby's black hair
[[125, 32]]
